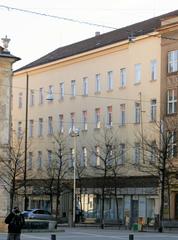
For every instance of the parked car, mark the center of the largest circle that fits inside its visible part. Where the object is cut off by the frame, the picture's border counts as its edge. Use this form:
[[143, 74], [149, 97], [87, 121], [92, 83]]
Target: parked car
[[37, 214]]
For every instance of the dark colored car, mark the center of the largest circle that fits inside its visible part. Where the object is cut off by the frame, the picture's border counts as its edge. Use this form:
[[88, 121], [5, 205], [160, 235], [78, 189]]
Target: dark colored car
[[37, 214]]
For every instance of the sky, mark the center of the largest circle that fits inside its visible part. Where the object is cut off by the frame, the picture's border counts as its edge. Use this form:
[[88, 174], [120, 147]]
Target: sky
[[33, 36]]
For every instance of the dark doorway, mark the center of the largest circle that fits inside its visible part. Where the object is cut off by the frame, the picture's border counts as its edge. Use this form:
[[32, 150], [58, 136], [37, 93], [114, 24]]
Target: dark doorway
[[134, 211], [176, 206]]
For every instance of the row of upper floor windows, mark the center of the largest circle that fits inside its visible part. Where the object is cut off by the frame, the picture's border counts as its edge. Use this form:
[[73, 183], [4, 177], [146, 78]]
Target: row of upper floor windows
[[50, 94]]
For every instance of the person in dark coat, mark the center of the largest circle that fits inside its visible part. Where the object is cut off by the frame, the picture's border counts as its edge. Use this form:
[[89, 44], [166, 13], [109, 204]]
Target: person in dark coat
[[15, 221]]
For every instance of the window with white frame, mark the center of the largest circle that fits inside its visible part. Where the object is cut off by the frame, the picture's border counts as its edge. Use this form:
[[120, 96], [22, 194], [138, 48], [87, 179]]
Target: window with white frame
[[137, 112], [19, 130], [31, 127], [72, 118], [173, 61], [32, 97], [41, 95], [85, 86], [110, 80], [72, 157], [40, 127], [172, 144], [84, 120], [50, 125], [20, 100], [109, 116], [153, 70], [153, 152], [153, 110], [122, 77], [30, 161], [97, 118], [73, 88], [121, 157], [109, 152], [137, 73], [49, 158], [97, 83], [61, 90], [171, 101], [50, 92], [122, 115], [39, 160], [137, 154], [84, 157], [97, 156], [61, 123]]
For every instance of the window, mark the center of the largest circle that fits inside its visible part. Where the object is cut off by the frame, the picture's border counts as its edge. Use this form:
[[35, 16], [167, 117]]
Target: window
[[20, 99], [84, 120], [30, 160], [97, 83], [49, 158], [136, 153], [19, 130], [72, 117], [85, 86], [109, 152], [122, 77], [122, 114], [153, 110], [153, 70], [137, 112], [172, 144], [32, 97], [72, 157], [173, 61], [31, 128], [97, 156], [110, 80], [121, 158], [40, 127], [61, 123], [39, 160], [153, 152], [109, 116], [137, 73], [61, 90], [41, 95], [50, 125], [73, 88], [97, 118], [50, 93], [84, 157], [172, 101]]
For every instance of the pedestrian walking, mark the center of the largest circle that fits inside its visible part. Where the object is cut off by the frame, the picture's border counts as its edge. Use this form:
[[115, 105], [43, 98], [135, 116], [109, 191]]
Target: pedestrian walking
[[15, 221]]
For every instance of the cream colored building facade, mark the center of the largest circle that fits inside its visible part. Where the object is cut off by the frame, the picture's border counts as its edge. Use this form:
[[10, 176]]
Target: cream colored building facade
[[95, 84]]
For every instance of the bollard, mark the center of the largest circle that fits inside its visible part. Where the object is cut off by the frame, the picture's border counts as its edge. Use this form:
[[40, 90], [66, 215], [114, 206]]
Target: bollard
[[131, 237], [53, 236]]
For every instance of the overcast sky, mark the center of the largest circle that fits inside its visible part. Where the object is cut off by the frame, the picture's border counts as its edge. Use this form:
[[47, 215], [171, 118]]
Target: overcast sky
[[33, 36]]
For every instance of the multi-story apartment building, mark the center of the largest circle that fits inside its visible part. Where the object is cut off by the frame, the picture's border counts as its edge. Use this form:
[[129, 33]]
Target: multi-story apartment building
[[124, 81]]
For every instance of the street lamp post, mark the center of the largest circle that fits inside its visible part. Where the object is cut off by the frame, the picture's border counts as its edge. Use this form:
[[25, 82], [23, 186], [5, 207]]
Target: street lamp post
[[74, 133]]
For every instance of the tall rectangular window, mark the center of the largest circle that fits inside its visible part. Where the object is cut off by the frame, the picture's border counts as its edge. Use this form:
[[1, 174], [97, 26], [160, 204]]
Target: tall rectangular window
[[97, 83], [20, 99], [41, 95], [32, 97], [153, 110], [173, 61], [50, 125], [49, 158], [110, 80], [122, 114], [109, 116], [72, 117], [122, 77], [172, 101], [172, 144], [137, 112], [121, 157], [137, 154], [61, 90], [39, 160], [50, 92], [97, 156], [30, 161], [61, 123], [19, 130], [84, 120], [31, 128], [84, 157], [40, 127], [72, 157], [153, 70], [137, 73], [97, 118], [153, 152], [85, 86], [73, 88]]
